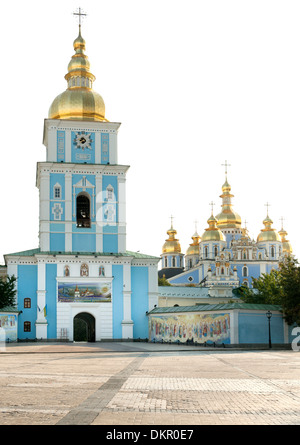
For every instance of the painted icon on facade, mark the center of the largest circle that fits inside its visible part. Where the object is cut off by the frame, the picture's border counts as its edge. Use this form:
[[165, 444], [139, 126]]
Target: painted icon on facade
[[84, 292], [197, 327]]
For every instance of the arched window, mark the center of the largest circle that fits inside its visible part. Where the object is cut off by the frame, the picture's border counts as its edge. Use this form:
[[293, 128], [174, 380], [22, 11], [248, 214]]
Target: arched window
[[166, 262], [27, 303], [84, 270], [205, 252], [173, 261], [216, 251], [272, 252], [83, 210], [245, 271], [245, 283], [222, 271], [27, 326]]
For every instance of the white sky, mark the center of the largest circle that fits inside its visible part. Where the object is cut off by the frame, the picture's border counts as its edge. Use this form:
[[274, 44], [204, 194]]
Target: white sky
[[193, 83]]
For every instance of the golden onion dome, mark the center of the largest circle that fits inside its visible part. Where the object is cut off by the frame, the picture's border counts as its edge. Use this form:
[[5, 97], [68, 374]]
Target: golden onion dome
[[172, 244], [79, 101], [227, 218], [194, 248], [212, 233], [268, 234], [286, 245]]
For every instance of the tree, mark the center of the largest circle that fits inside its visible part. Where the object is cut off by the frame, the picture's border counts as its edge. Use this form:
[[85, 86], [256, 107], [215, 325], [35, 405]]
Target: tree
[[290, 283], [163, 281], [7, 291]]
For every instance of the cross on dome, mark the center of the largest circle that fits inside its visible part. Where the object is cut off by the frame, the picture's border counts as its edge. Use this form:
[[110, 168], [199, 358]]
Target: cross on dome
[[79, 14], [226, 165]]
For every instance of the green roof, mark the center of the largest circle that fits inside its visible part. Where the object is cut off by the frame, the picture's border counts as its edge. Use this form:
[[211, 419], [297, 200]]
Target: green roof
[[33, 252], [9, 309], [215, 307]]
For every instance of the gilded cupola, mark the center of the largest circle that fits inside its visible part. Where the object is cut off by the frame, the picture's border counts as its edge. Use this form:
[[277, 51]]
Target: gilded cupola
[[286, 245], [194, 248], [171, 244], [212, 233], [79, 101], [268, 234], [228, 218]]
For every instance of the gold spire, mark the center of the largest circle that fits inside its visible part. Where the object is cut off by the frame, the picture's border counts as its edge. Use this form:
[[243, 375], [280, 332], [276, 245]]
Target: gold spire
[[172, 244], [194, 248], [268, 233], [227, 218], [212, 233], [286, 245], [79, 101]]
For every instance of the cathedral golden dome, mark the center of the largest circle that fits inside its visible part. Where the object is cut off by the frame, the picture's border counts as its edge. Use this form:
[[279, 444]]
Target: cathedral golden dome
[[194, 248], [268, 234], [212, 233], [79, 101], [286, 245], [228, 218], [172, 244]]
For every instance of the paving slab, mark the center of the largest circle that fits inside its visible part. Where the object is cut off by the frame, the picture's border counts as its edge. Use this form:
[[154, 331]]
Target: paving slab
[[135, 383]]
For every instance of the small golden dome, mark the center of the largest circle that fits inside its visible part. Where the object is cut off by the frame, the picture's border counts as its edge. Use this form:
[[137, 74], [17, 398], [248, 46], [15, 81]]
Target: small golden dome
[[227, 218], [172, 244], [194, 248], [286, 245], [212, 233], [268, 234], [79, 101]]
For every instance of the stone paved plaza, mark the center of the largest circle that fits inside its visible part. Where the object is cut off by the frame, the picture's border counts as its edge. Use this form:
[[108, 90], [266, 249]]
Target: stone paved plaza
[[147, 384]]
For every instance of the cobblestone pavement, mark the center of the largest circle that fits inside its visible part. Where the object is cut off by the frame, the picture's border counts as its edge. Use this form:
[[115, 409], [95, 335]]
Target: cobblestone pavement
[[143, 384]]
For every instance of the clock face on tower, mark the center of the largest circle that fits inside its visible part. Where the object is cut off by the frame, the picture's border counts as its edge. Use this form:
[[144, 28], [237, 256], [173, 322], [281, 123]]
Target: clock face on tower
[[83, 140]]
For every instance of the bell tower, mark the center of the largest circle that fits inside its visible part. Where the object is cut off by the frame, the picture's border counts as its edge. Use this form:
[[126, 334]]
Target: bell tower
[[81, 184]]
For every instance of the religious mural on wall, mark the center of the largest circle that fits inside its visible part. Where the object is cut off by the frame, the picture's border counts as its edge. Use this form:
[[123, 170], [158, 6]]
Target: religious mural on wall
[[84, 292], [200, 328], [8, 327]]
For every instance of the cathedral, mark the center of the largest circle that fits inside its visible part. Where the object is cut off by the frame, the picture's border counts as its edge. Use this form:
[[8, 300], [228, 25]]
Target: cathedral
[[82, 272], [82, 269], [224, 257]]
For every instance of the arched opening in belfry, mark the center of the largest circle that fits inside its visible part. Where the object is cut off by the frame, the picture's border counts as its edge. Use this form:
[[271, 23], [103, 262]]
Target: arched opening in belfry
[[83, 210], [84, 327]]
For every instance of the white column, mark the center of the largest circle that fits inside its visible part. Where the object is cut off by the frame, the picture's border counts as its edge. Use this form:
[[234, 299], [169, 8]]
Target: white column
[[127, 323], [68, 147], [41, 322], [99, 214], [44, 211], [234, 327], [152, 287], [97, 148], [122, 215]]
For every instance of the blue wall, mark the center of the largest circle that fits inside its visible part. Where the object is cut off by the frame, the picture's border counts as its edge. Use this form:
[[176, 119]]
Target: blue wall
[[27, 288], [139, 301], [254, 328]]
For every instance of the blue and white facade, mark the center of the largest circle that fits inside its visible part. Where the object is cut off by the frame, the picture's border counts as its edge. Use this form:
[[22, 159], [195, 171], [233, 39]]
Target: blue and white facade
[[82, 265], [225, 257]]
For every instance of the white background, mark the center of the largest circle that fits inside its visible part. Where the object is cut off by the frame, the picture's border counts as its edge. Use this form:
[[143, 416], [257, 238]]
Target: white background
[[193, 83]]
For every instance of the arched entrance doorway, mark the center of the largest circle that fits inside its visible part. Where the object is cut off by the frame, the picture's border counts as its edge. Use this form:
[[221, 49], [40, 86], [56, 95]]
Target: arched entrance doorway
[[84, 327]]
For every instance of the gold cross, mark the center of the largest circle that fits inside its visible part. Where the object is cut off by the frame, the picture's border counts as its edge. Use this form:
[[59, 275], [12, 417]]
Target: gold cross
[[267, 205], [226, 165], [79, 13], [212, 207]]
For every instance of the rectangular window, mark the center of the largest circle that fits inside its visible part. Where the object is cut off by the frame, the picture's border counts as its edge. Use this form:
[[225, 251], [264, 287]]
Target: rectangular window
[[57, 192], [27, 326]]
